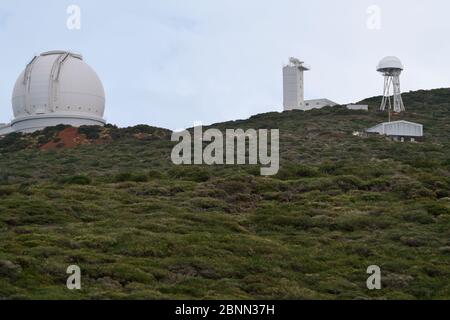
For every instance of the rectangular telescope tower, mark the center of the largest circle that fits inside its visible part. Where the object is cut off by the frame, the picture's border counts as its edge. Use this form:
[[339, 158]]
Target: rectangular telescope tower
[[293, 89]]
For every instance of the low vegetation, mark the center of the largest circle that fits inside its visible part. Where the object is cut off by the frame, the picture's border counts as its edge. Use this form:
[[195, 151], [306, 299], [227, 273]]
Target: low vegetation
[[142, 228]]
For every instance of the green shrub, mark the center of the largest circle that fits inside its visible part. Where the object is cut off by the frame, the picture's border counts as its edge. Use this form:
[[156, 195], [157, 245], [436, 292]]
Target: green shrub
[[437, 209], [6, 191], [12, 142], [155, 174], [418, 217], [130, 177], [293, 172], [91, 132], [329, 168], [190, 173], [411, 189], [208, 204], [347, 183], [78, 179]]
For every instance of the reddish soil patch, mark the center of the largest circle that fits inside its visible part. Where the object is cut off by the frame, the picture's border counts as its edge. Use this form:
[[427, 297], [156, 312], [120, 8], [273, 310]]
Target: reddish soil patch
[[67, 138]]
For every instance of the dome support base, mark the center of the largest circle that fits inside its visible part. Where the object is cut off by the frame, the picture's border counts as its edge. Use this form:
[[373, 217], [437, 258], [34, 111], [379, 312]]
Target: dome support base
[[40, 122]]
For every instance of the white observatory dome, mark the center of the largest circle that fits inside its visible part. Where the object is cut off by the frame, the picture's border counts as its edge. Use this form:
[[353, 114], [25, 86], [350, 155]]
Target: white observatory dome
[[390, 63], [57, 87]]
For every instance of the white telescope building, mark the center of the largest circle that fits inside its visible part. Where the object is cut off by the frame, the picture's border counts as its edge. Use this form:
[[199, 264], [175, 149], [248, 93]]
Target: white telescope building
[[56, 87], [294, 90]]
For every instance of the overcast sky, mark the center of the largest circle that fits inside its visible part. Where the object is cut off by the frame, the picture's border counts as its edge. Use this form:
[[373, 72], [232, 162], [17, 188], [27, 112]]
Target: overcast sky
[[169, 63]]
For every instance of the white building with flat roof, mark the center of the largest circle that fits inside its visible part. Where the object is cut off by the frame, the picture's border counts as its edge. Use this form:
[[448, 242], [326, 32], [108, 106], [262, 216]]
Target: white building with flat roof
[[398, 129], [318, 104], [363, 107], [294, 90]]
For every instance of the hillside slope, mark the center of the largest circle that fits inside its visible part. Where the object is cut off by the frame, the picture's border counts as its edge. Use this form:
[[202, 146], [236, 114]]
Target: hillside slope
[[110, 201]]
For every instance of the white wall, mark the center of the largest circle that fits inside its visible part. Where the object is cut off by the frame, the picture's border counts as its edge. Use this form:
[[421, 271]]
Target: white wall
[[358, 107], [403, 129], [293, 90], [318, 104], [398, 128], [35, 123]]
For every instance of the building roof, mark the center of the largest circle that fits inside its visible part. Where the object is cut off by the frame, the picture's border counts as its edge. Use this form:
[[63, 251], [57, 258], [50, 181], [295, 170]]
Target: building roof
[[364, 107], [322, 102], [59, 52], [398, 128], [399, 122], [390, 63]]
